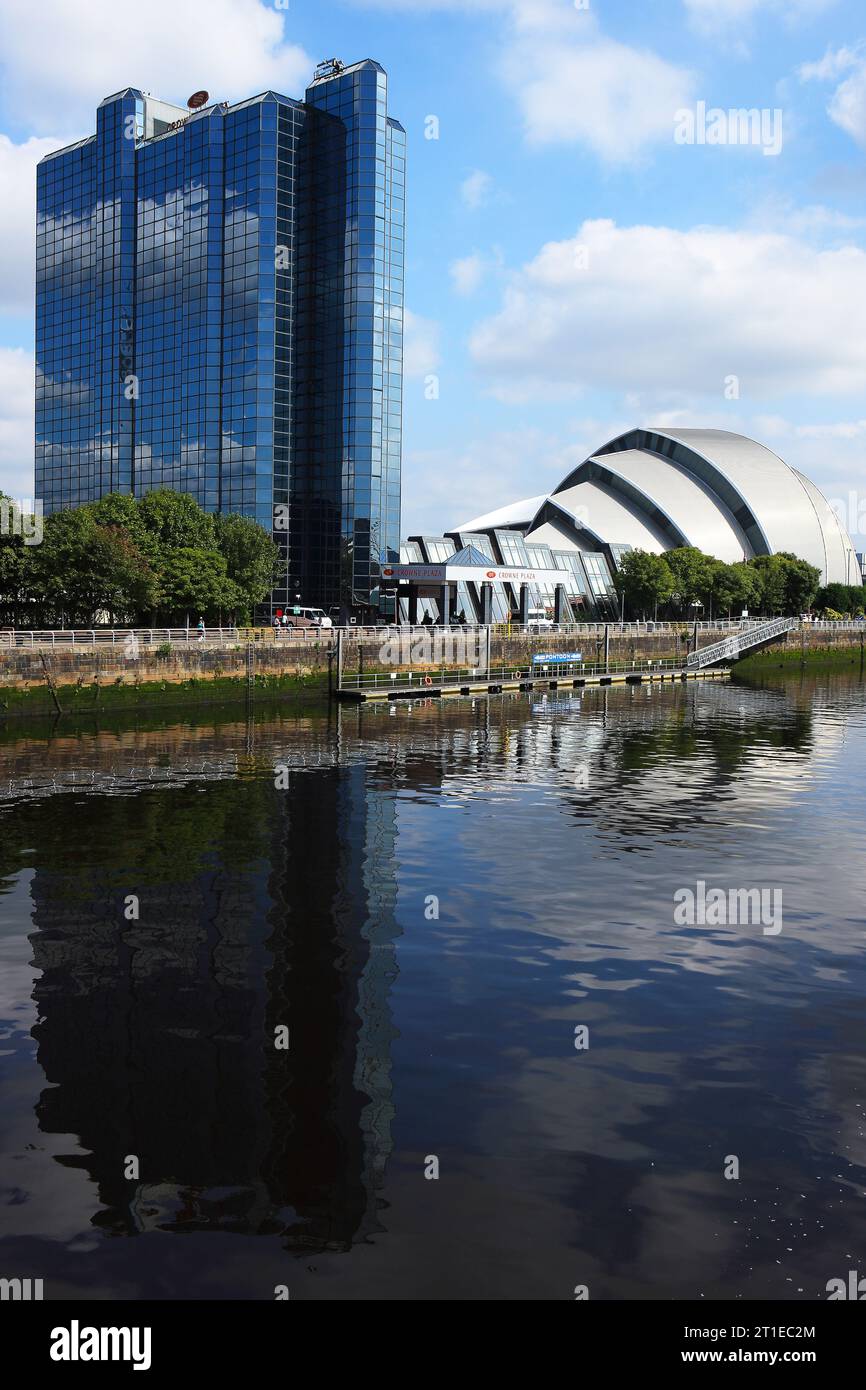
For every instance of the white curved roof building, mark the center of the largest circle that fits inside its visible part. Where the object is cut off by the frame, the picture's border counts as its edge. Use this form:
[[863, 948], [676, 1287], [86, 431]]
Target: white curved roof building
[[654, 489]]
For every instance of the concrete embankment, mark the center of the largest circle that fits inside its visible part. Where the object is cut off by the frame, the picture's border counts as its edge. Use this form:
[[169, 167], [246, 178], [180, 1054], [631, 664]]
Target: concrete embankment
[[86, 678], [102, 678], [831, 651], [43, 680]]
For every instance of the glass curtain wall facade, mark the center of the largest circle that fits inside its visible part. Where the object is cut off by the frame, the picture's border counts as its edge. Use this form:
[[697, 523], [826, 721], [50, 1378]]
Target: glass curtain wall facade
[[220, 311], [369, 398]]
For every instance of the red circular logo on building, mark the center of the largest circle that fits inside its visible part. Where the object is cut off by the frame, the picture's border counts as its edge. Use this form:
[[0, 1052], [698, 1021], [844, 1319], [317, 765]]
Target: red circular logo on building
[[387, 573], [491, 574], [198, 99]]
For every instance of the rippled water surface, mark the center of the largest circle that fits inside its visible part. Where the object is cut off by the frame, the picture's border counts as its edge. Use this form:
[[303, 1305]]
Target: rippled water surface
[[431, 899]]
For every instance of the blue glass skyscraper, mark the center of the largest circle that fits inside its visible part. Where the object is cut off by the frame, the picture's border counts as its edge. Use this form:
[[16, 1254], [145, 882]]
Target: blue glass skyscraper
[[220, 310]]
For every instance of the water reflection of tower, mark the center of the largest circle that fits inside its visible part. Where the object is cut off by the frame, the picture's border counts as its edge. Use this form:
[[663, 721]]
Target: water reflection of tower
[[257, 907], [333, 889]]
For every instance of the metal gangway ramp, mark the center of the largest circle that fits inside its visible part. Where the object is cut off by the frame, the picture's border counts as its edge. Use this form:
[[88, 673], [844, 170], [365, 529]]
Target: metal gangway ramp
[[739, 643]]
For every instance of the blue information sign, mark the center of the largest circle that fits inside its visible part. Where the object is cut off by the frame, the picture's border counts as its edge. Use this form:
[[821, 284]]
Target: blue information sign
[[556, 658]]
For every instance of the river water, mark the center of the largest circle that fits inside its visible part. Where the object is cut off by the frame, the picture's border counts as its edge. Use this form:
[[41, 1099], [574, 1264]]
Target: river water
[[398, 1002]]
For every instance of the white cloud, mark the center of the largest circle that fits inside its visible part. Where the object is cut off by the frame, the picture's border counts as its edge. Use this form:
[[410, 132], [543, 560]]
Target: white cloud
[[16, 422], [467, 273], [18, 203], [475, 188], [655, 309], [570, 83], [840, 429], [578, 87], [444, 486], [833, 64], [61, 59], [729, 17], [847, 105], [420, 345]]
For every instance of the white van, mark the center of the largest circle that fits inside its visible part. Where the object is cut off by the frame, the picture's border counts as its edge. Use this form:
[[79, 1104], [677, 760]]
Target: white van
[[306, 617], [538, 620]]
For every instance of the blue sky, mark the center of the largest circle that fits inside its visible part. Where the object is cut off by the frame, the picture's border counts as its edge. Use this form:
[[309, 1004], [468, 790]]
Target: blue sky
[[572, 267]]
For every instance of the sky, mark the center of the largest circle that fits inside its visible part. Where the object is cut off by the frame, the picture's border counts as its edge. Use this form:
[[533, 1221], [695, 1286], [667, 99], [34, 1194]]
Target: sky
[[592, 242]]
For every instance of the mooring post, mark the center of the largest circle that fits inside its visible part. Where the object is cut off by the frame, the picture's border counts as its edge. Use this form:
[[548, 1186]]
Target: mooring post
[[607, 649]]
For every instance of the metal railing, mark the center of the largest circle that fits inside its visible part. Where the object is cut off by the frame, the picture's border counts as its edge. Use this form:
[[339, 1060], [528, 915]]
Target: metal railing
[[734, 646], [596, 628], [149, 637], [116, 637], [288, 634], [425, 678]]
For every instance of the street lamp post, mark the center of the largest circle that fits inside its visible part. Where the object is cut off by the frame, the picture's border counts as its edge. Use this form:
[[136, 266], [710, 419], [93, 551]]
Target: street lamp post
[[698, 607]]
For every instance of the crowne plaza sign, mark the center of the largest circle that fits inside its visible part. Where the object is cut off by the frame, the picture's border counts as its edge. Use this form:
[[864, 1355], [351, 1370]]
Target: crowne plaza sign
[[474, 574]]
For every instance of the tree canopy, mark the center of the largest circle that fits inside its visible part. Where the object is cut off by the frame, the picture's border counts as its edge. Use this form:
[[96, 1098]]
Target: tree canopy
[[672, 583], [149, 561]]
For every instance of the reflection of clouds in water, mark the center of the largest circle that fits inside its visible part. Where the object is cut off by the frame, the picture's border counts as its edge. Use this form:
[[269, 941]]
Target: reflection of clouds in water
[[702, 1042], [728, 808], [17, 1011], [17, 1014], [41, 1196], [65, 1202]]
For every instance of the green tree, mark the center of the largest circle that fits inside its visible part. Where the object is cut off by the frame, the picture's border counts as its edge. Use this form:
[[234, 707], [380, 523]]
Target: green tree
[[801, 583], [82, 572], [692, 574], [732, 587], [120, 510], [772, 579], [194, 582], [645, 580], [14, 567], [252, 559], [840, 598], [176, 521]]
